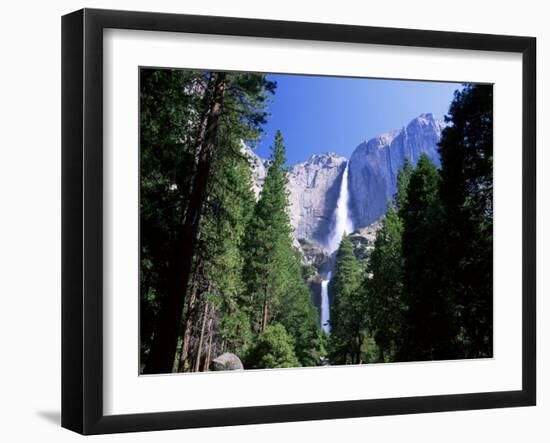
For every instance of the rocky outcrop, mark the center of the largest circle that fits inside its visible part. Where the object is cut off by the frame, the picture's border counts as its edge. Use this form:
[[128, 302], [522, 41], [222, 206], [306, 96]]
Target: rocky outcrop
[[363, 240], [315, 255], [316, 262], [226, 362], [314, 186], [374, 165]]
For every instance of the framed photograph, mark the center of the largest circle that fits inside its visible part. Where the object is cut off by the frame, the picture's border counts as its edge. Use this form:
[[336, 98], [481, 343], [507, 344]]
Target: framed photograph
[[269, 221]]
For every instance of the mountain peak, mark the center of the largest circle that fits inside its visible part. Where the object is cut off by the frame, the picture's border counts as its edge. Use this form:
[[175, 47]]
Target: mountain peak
[[427, 119], [426, 116], [328, 159], [325, 156], [384, 138], [425, 123], [374, 164]]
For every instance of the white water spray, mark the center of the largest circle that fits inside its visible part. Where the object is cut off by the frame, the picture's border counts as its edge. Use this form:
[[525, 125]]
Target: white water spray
[[342, 224], [342, 219], [325, 305]]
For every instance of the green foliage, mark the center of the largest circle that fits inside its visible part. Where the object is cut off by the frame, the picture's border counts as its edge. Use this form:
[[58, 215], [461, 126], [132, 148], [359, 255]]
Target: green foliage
[[268, 242], [276, 288], [298, 314], [174, 107], [466, 150], [274, 348], [430, 284], [428, 332], [403, 180], [244, 264], [426, 292], [370, 351], [229, 209], [168, 121], [235, 329], [385, 307], [347, 319]]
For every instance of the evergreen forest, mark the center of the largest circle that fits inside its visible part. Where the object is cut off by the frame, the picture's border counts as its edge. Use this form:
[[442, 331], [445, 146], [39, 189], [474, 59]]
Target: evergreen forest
[[220, 269]]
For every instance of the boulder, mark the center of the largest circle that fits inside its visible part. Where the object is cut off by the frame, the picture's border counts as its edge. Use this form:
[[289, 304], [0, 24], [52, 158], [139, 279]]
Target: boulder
[[226, 362]]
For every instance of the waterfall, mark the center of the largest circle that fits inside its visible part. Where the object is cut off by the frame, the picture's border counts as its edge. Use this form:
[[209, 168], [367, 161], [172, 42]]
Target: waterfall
[[342, 218], [325, 305], [342, 224]]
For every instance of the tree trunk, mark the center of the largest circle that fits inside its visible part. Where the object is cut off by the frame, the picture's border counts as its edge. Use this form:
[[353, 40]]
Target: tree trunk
[[209, 352], [165, 340], [201, 339], [187, 329]]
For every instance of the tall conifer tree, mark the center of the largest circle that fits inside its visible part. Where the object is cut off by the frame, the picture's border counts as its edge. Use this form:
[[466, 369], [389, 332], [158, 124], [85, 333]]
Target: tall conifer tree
[[347, 319], [231, 104], [273, 273], [385, 306], [429, 332], [466, 150], [269, 241]]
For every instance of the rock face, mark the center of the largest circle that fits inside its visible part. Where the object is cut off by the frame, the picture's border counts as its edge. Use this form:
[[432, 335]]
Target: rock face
[[258, 167], [363, 240], [314, 186], [374, 165], [226, 362], [315, 255]]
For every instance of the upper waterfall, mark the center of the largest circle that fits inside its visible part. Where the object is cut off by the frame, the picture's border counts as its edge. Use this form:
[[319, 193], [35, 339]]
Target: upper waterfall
[[342, 218]]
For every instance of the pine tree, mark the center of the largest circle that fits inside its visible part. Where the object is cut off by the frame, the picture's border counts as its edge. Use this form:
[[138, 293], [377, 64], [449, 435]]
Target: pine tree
[[219, 260], [231, 105], [347, 317], [466, 150], [276, 288], [385, 307], [274, 348], [268, 241], [429, 332], [298, 314], [169, 107], [403, 180]]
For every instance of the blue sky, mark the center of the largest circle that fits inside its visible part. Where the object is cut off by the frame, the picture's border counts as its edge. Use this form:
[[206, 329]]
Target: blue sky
[[320, 114]]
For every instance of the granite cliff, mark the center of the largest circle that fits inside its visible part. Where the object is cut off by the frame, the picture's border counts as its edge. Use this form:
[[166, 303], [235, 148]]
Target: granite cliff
[[374, 165]]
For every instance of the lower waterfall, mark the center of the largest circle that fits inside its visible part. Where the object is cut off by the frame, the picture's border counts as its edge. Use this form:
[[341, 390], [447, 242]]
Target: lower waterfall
[[342, 225], [325, 304]]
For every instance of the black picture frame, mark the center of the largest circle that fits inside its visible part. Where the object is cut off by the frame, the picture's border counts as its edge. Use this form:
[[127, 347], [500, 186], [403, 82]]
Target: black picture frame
[[82, 219]]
